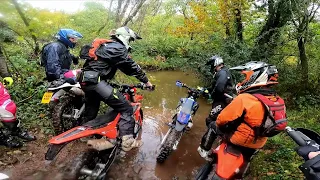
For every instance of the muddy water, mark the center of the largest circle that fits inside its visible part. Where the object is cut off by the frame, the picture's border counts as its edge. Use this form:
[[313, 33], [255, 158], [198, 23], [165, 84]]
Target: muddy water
[[159, 107]]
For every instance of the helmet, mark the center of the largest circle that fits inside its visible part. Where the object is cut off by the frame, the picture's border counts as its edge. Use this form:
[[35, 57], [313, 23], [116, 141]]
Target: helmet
[[215, 61], [64, 35], [125, 35], [257, 74]]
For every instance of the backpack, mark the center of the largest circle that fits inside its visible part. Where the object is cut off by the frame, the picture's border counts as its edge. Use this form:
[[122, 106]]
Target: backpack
[[274, 120], [41, 60], [88, 52]]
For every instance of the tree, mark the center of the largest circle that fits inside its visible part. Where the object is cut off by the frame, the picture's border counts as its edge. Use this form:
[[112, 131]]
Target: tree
[[303, 12], [26, 22], [278, 16]]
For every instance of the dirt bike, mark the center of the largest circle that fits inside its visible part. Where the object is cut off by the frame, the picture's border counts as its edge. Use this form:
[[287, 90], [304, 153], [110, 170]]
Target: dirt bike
[[181, 121], [228, 162], [308, 137], [96, 161], [67, 104]]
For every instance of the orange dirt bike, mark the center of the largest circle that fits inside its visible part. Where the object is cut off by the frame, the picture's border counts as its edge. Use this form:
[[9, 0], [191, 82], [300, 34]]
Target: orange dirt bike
[[228, 162], [94, 162]]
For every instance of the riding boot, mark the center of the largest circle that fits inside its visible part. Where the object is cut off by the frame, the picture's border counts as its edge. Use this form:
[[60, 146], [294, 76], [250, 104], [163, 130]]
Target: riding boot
[[14, 130], [9, 141], [128, 142]]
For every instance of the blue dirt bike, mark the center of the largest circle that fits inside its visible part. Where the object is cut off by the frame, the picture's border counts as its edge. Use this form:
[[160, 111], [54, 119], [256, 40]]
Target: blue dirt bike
[[181, 121]]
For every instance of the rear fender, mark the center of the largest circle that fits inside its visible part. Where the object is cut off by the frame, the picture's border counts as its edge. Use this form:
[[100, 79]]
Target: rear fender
[[109, 131], [56, 96], [229, 161]]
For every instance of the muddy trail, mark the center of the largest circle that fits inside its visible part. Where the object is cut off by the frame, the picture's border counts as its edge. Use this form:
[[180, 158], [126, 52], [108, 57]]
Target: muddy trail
[[159, 107]]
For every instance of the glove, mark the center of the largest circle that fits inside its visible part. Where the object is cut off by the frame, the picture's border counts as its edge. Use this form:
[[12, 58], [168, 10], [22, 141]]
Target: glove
[[7, 81], [304, 151], [75, 60], [71, 81], [56, 83]]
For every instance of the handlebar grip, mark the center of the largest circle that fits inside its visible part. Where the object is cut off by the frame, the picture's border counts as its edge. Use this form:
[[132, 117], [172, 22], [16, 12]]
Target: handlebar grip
[[152, 88], [228, 96], [296, 136]]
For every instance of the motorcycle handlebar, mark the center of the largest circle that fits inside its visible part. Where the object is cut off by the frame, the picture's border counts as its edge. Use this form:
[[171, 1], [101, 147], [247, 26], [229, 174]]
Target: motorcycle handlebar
[[297, 136], [139, 85]]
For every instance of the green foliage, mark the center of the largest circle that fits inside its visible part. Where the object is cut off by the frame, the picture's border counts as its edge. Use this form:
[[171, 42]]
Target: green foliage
[[278, 160], [181, 35]]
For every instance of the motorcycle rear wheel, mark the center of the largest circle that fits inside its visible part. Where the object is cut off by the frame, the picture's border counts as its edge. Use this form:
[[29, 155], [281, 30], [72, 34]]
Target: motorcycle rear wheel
[[60, 120], [85, 159]]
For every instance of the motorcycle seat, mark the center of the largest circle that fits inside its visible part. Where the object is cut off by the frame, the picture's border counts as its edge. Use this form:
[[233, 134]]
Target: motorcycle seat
[[102, 120]]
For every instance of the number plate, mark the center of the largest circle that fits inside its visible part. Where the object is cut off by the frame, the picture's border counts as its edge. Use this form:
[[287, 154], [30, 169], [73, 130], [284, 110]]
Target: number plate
[[46, 97]]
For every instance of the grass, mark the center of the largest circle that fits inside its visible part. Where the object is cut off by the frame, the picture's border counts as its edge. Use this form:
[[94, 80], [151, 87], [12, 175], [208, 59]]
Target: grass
[[278, 159]]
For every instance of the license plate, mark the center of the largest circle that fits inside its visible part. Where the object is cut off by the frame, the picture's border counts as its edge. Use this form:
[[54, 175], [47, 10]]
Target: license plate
[[46, 97]]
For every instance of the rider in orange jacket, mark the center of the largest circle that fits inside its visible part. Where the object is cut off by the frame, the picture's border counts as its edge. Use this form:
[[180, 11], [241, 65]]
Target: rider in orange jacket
[[245, 111]]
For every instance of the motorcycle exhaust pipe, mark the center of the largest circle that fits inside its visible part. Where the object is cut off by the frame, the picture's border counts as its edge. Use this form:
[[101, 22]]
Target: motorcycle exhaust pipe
[[100, 144]]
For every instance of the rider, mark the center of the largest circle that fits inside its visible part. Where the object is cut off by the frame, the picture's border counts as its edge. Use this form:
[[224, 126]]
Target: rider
[[8, 112], [246, 111], [311, 168], [223, 84], [56, 57], [113, 55]]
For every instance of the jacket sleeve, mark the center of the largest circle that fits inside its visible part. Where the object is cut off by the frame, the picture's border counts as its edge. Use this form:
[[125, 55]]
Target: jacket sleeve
[[3, 66], [131, 68], [53, 64], [232, 112], [221, 82]]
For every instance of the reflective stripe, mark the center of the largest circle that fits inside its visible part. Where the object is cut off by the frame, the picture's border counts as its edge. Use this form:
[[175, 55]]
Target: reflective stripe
[[5, 104]]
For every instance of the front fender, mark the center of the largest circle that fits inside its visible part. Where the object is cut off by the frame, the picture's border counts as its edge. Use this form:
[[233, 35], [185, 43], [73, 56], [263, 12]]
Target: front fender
[[179, 127]]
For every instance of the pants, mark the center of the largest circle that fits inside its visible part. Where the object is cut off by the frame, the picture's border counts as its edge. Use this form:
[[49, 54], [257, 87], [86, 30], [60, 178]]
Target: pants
[[113, 98], [217, 107]]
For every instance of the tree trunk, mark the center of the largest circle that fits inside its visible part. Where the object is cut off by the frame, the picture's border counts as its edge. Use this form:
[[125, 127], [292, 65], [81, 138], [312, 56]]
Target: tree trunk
[[130, 17], [118, 22], [239, 24], [125, 7], [106, 23], [278, 15], [303, 61], [24, 19]]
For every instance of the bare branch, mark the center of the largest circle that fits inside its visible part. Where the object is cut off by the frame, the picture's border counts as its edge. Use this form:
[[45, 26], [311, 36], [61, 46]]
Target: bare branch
[[134, 13]]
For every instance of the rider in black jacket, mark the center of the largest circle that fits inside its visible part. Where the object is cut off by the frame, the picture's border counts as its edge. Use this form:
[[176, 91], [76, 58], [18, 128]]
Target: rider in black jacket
[[56, 57], [222, 84], [112, 56]]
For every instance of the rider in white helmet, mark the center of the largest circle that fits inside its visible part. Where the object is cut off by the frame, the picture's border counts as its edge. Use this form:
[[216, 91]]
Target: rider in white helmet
[[112, 55]]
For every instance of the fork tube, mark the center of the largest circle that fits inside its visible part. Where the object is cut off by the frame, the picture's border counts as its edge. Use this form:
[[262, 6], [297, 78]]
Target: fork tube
[[166, 136]]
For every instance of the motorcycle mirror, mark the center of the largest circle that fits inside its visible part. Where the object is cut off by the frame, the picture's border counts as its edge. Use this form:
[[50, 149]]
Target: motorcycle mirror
[[179, 83]]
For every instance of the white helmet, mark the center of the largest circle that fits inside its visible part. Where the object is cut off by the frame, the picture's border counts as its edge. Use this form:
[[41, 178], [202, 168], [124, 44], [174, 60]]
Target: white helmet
[[257, 74], [215, 61], [125, 35]]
